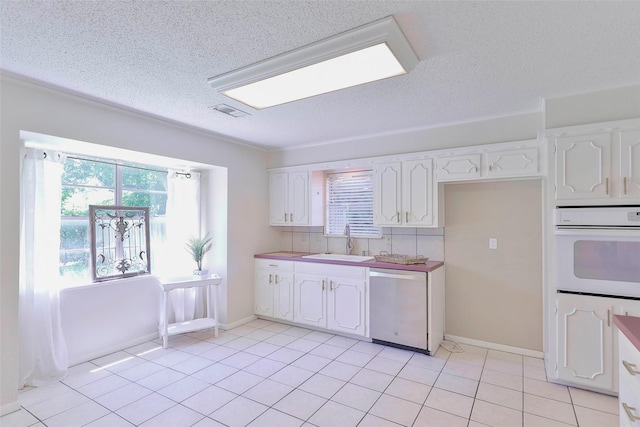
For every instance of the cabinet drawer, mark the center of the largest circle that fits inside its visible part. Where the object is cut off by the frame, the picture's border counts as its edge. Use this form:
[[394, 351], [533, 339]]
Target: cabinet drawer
[[456, 168], [512, 162], [332, 270], [273, 264]]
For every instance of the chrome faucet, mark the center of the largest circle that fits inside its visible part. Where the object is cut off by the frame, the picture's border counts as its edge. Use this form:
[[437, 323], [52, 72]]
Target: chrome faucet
[[349, 245]]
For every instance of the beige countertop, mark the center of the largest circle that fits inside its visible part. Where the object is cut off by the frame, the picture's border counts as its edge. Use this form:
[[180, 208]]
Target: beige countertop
[[297, 256], [630, 327]]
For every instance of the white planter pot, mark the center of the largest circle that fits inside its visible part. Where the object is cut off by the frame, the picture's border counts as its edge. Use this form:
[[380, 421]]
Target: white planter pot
[[200, 274]]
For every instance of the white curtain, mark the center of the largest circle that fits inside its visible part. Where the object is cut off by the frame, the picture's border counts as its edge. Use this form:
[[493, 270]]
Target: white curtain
[[43, 352], [183, 222]]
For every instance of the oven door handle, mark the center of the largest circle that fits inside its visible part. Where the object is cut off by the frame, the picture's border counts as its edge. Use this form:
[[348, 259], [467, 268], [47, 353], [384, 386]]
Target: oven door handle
[[597, 232]]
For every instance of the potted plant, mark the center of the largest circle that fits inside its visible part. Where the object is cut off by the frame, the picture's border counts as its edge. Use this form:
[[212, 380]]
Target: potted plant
[[197, 247]]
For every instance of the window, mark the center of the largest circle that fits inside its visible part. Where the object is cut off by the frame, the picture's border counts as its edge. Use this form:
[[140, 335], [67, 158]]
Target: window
[[350, 201], [90, 181]]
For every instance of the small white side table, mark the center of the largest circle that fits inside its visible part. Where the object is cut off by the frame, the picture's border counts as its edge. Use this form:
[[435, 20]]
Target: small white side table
[[210, 321]]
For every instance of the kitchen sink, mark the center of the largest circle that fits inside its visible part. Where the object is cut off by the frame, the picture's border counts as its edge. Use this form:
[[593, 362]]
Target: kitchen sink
[[340, 257]]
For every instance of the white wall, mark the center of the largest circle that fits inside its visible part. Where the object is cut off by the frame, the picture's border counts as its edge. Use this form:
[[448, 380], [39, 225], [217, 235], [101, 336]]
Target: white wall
[[593, 107], [25, 106], [109, 316]]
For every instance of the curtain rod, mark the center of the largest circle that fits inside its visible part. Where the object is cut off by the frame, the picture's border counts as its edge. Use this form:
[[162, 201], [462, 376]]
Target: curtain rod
[[106, 162]]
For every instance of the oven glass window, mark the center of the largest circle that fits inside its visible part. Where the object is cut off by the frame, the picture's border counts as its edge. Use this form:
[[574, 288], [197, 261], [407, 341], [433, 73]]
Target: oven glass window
[[607, 260]]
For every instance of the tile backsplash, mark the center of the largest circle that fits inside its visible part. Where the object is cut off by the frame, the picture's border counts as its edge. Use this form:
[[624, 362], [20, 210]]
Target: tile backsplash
[[428, 242]]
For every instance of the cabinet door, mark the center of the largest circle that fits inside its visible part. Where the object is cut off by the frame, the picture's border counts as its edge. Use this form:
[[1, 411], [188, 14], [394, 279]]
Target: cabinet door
[[417, 185], [585, 341], [310, 300], [299, 198], [387, 194], [283, 296], [347, 305], [630, 163], [583, 167], [278, 198], [264, 292], [456, 168], [629, 391], [512, 162]]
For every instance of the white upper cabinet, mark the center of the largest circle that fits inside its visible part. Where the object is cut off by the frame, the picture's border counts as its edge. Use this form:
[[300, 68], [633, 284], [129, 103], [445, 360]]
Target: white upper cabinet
[[598, 164], [295, 198], [583, 167], [493, 161], [630, 163], [417, 192], [278, 198], [387, 193], [403, 194]]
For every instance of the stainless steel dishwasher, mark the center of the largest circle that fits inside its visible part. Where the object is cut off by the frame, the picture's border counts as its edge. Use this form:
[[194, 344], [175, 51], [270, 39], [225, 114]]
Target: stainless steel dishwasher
[[399, 308]]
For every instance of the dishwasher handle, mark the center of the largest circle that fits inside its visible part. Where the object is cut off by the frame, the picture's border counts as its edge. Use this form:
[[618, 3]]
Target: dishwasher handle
[[374, 273]]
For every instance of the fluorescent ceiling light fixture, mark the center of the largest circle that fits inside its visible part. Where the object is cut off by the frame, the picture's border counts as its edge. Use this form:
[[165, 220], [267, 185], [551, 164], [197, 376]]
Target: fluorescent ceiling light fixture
[[372, 52]]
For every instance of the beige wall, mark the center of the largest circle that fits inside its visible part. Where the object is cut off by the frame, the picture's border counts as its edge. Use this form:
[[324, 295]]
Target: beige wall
[[494, 295]]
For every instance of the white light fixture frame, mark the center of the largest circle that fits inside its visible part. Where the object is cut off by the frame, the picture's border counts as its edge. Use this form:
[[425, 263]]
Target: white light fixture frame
[[384, 31]]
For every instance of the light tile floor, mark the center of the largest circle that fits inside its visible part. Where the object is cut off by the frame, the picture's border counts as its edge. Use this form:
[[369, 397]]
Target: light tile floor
[[269, 374]]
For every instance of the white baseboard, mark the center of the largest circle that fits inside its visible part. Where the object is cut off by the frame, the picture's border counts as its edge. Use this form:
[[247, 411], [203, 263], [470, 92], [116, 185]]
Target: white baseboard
[[111, 349], [494, 346], [227, 326], [9, 408]]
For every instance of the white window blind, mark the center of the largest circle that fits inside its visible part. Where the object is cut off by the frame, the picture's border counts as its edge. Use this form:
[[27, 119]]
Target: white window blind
[[350, 201]]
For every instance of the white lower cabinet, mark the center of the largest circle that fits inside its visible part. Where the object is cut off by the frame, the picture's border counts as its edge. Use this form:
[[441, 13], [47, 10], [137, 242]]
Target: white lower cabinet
[[274, 289], [310, 300], [587, 342], [629, 391], [328, 296], [332, 297]]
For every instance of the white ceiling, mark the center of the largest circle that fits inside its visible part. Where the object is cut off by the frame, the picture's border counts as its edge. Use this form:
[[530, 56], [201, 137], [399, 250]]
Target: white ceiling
[[478, 59]]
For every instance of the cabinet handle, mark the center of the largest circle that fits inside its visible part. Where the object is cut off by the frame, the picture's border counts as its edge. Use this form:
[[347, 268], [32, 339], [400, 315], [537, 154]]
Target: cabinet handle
[[631, 368], [624, 185], [398, 214], [276, 279], [323, 284], [290, 217], [331, 285], [476, 168], [270, 278], [285, 217], [490, 167], [629, 410], [406, 217], [607, 185], [608, 318]]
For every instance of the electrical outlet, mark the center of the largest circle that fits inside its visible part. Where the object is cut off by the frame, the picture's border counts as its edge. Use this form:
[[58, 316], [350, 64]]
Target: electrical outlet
[[493, 243]]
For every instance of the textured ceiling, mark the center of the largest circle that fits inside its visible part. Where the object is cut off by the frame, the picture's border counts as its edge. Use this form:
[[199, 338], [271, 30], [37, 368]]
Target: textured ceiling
[[478, 59]]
